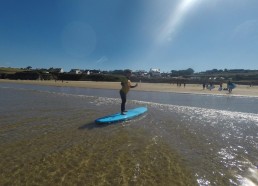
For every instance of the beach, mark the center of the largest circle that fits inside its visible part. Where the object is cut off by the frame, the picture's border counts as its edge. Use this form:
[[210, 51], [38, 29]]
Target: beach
[[240, 90], [50, 138], [188, 136]]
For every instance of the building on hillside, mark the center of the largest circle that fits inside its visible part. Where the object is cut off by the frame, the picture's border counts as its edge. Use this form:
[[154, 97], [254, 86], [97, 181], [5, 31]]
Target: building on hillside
[[56, 70], [75, 71], [154, 72], [140, 73]]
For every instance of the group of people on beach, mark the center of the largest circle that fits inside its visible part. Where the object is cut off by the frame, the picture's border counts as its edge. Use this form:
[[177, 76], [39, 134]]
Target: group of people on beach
[[211, 86]]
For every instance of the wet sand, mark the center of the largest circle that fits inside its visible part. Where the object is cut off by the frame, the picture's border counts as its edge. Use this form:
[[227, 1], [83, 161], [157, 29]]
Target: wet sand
[[51, 139], [240, 90]]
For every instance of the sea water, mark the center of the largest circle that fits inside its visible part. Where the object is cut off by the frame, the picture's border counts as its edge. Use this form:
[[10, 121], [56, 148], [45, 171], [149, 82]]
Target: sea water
[[48, 137]]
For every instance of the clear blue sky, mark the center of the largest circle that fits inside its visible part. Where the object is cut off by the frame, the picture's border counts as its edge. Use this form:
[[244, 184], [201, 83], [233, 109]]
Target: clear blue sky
[[135, 34]]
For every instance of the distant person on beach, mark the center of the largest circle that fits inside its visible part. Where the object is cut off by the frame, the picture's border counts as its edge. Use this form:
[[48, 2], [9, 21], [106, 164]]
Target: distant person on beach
[[220, 87], [211, 86], [203, 86], [126, 85], [230, 85]]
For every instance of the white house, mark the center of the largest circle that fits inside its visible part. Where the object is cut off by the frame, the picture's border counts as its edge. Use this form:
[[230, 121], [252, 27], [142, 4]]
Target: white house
[[154, 72], [75, 71], [57, 70]]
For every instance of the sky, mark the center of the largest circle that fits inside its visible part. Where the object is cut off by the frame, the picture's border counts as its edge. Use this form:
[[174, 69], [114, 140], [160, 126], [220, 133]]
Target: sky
[[135, 34]]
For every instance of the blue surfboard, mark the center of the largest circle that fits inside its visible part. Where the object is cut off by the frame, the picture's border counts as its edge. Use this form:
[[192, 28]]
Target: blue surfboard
[[119, 117]]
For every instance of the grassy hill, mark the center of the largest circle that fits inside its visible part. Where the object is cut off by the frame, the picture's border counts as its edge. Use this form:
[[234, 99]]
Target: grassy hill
[[4, 70]]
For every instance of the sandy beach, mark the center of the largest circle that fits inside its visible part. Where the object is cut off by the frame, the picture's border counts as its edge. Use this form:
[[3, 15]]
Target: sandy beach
[[240, 90]]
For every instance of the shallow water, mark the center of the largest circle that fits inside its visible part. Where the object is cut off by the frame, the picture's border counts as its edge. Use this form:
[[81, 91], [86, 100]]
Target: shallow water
[[48, 136]]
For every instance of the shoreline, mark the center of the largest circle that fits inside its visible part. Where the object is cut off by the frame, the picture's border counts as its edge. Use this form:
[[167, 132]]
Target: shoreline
[[240, 90]]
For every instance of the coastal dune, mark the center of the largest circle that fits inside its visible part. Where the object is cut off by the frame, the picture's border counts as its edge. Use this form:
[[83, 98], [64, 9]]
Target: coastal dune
[[240, 90]]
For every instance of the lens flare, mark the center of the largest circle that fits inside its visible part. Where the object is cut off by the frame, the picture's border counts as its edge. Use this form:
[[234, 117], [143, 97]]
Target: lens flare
[[170, 28]]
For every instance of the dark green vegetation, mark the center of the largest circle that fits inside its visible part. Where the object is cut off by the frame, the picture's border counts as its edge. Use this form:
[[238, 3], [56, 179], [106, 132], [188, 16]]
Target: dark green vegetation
[[239, 76], [27, 74]]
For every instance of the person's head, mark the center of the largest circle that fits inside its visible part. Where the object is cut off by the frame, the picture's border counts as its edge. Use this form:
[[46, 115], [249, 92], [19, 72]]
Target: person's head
[[128, 73]]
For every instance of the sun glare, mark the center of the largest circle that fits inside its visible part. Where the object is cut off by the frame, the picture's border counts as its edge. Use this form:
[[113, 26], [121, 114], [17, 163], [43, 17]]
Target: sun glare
[[173, 22]]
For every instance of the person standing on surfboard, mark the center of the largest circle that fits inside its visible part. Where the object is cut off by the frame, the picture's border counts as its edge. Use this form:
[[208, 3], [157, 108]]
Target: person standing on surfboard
[[126, 85]]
